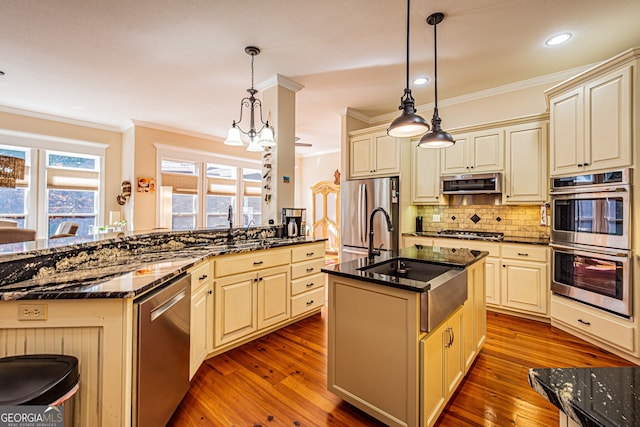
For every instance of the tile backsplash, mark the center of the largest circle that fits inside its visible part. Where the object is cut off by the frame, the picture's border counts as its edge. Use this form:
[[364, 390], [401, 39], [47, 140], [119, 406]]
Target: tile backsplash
[[516, 221]]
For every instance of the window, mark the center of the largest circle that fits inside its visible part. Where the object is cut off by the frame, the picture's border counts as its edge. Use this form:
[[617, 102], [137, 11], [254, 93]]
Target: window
[[73, 182], [182, 176], [14, 200], [63, 182], [203, 187]]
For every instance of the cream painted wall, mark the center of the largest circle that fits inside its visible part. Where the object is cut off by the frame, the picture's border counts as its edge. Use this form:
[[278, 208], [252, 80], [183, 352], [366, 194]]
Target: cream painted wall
[[310, 170], [144, 204], [27, 124]]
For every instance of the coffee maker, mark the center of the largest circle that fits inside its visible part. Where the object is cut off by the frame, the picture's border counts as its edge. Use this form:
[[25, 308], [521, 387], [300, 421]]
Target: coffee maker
[[294, 222]]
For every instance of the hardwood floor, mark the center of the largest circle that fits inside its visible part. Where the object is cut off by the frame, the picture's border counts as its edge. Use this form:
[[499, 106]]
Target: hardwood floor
[[280, 380]]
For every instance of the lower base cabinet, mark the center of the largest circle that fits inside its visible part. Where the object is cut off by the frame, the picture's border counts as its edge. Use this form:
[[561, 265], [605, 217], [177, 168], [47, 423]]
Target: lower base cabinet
[[442, 366]]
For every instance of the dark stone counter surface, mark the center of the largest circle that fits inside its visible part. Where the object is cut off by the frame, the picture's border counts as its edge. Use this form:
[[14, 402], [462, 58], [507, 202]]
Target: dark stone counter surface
[[600, 397], [454, 257], [505, 239], [118, 266]]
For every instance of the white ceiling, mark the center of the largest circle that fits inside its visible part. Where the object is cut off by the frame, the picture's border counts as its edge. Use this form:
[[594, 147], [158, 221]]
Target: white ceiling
[[182, 64]]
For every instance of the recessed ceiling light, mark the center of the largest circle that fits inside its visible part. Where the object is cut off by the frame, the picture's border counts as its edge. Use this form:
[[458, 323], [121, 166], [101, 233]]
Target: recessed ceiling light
[[419, 81], [558, 39]]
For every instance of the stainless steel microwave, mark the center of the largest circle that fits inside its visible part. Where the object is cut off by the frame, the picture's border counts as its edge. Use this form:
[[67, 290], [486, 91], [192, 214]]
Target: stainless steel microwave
[[479, 183]]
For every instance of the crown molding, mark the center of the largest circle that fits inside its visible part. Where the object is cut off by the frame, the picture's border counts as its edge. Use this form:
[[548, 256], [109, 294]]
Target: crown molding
[[184, 132], [280, 80], [498, 90], [348, 111], [62, 119]]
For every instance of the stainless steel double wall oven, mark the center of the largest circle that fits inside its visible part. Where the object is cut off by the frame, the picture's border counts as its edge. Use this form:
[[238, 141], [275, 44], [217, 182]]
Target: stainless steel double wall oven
[[590, 239]]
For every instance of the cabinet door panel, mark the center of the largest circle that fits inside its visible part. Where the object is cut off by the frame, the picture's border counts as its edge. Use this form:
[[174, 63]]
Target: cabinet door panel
[[453, 159], [273, 298], [567, 132], [608, 134], [432, 353], [492, 280], [235, 308], [425, 175], [387, 155], [526, 172], [487, 152], [524, 286], [454, 363], [201, 326], [361, 156]]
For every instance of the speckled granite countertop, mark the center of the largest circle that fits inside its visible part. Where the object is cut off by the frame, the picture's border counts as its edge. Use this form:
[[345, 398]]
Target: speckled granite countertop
[[599, 397], [505, 239], [453, 257], [119, 267]]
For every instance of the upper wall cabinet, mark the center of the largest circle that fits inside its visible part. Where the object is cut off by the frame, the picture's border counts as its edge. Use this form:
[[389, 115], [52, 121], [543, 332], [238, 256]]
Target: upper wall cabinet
[[525, 178], [425, 175], [481, 151], [373, 153], [591, 118]]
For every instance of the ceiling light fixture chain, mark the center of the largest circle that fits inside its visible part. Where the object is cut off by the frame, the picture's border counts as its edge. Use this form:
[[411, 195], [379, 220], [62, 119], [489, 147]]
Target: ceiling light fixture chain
[[437, 138], [258, 139], [409, 123]]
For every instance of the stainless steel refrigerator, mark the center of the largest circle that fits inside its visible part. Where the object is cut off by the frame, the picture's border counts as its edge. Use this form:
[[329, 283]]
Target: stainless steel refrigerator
[[358, 198]]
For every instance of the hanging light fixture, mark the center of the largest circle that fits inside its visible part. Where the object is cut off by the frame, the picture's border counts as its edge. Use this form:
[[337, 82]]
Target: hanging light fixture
[[437, 138], [258, 139], [11, 169], [409, 123]]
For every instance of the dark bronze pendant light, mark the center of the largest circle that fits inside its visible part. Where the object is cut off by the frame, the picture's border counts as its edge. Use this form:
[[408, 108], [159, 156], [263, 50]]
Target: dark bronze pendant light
[[437, 138], [409, 123]]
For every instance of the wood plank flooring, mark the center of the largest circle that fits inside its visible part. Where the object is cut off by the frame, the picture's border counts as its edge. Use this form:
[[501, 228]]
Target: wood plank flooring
[[280, 380]]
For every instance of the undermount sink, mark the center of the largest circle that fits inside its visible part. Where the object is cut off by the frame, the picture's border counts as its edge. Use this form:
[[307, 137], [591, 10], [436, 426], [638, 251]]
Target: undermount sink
[[446, 292]]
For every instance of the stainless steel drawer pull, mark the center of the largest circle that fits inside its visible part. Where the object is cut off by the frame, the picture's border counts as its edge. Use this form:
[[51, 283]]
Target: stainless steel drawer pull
[[310, 269], [258, 263], [584, 322], [522, 254], [204, 276], [309, 302]]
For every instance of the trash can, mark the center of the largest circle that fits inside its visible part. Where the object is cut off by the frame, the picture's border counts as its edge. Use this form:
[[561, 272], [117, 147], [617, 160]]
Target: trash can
[[40, 380]]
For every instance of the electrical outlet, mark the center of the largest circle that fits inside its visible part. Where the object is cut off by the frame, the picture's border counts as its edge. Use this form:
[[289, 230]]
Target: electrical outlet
[[435, 218], [32, 311]]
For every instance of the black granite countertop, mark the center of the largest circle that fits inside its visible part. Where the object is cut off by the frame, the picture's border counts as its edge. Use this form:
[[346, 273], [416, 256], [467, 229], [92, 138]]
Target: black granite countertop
[[453, 257], [598, 397], [120, 267], [505, 239]]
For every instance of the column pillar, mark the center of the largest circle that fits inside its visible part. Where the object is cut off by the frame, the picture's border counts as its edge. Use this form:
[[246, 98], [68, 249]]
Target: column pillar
[[279, 108]]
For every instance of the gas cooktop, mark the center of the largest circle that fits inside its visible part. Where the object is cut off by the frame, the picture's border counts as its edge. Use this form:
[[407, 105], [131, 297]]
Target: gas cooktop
[[467, 234]]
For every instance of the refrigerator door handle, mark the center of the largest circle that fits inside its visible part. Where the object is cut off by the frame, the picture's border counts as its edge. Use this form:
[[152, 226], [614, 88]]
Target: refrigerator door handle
[[359, 212], [365, 203]]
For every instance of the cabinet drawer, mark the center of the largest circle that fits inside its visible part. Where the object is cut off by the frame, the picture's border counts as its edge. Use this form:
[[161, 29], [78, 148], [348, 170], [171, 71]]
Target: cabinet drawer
[[305, 252], [525, 252], [200, 275], [253, 261], [306, 268], [616, 332], [308, 283], [307, 301]]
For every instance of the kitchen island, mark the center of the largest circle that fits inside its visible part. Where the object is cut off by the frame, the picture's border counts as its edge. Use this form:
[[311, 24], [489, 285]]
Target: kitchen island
[[382, 357], [78, 299]]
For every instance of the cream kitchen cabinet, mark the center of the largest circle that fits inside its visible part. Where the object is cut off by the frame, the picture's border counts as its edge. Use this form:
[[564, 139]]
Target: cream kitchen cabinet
[[251, 293], [474, 152], [307, 281], [474, 314], [591, 118], [526, 178], [525, 278], [373, 153], [425, 175], [442, 366], [201, 331]]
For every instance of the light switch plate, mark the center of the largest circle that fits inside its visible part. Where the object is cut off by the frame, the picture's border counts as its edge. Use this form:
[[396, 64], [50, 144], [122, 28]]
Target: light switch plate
[[435, 218]]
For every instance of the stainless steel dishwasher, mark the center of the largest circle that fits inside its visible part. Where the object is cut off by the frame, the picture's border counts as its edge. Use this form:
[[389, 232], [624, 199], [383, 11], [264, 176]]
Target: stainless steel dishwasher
[[161, 352]]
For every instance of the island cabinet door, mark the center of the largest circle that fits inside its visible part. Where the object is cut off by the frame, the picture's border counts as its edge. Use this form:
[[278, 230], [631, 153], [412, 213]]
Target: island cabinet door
[[273, 296]]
